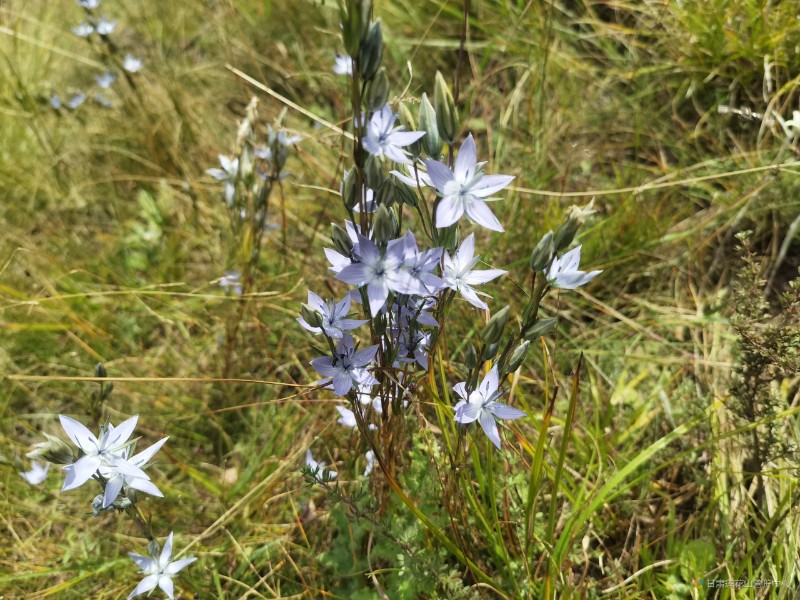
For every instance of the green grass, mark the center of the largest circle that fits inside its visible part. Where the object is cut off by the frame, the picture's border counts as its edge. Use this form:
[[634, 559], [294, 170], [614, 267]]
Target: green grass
[[630, 482]]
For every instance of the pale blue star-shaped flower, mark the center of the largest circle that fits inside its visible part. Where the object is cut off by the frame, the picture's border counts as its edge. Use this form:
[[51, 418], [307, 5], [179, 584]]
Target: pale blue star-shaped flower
[[132, 64], [380, 272], [464, 188], [159, 571], [459, 272], [105, 80], [89, 4], [347, 366], [106, 27], [115, 480], [83, 30], [384, 139], [564, 273], [76, 100], [37, 474], [227, 174], [106, 451], [334, 316], [481, 405], [420, 266]]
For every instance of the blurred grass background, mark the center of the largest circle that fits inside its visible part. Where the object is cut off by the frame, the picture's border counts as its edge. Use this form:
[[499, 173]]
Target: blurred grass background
[[114, 239]]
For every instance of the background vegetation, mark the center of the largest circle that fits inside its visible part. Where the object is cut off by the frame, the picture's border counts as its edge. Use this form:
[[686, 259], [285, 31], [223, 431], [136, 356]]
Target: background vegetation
[[674, 459]]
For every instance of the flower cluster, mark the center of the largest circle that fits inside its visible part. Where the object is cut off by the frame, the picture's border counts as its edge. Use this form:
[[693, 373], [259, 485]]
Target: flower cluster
[[101, 27], [109, 459], [404, 288]]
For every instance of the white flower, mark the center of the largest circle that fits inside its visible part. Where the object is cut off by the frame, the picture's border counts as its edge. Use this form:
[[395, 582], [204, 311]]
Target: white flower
[[89, 4], [106, 79], [132, 64], [383, 139], [83, 30], [37, 474], [106, 27], [158, 571], [343, 65], [107, 451], [76, 100], [381, 273], [481, 405], [116, 480], [464, 188], [460, 275], [346, 417], [564, 271], [318, 466], [370, 456], [227, 174], [334, 316], [347, 366]]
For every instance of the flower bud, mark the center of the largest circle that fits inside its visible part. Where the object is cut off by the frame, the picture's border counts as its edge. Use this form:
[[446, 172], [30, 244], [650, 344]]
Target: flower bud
[[384, 226], [446, 115], [543, 253], [471, 357], [371, 52], [405, 194], [517, 357], [341, 241], [539, 328], [565, 234], [310, 316], [354, 17], [493, 330], [378, 90], [153, 549], [490, 351], [349, 192], [373, 174], [427, 123], [53, 450], [386, 194], [100, 370]]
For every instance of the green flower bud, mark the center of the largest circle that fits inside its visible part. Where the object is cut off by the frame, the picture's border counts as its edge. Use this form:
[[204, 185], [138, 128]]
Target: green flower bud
[[341, 241], [405, 194], [349, 190], [471, 357], [354, 17], [427, 123], [310, 316], [543, 253], [386, 193], [490, 351], [373, 173], [100, 370], [446, 115], [517, 357], [565, 234], [384, 226], [539, 328], [378, 90], [493, 331], [371, 52]]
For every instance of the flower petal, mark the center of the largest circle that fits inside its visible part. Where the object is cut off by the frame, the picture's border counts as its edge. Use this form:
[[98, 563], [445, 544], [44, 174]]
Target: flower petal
[[490, 184], [490, 428], [113, 488], [479, 212], [467, 156], [145, 585], [176, 566], [450, 210], [504, 411], [80, 472], [439, 174], [78, 433]]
